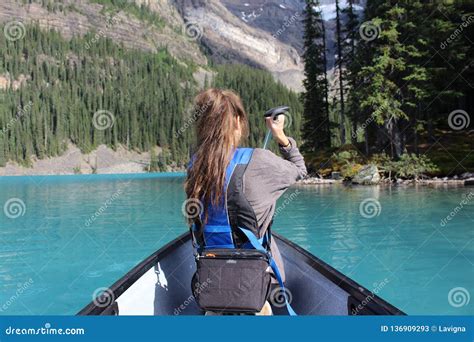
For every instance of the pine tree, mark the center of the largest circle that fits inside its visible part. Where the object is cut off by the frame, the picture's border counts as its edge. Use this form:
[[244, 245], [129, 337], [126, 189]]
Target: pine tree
[[350, 32], [3, 160], [339, 63], [154, 162], [316, 121], [377, 90]]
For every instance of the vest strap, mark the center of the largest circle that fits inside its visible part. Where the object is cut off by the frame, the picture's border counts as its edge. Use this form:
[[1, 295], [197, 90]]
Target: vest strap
[[258, 246]]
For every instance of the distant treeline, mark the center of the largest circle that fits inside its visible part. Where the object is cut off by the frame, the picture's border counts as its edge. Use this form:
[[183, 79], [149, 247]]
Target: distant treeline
[[401, 69], [58, 90]]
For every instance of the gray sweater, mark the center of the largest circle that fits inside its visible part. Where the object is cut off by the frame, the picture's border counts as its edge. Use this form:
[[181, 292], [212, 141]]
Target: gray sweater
[[266, 178]]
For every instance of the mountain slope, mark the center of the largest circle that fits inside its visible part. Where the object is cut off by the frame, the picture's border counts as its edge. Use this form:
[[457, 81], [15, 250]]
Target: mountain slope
[[124, 22], [90, 91], [229, 39]]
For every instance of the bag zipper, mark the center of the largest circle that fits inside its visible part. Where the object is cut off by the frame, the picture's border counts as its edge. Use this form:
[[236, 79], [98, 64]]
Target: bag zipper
[[236, 255]]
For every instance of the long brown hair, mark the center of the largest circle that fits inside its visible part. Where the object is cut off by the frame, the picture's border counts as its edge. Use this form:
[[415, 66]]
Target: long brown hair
[[218, 113]]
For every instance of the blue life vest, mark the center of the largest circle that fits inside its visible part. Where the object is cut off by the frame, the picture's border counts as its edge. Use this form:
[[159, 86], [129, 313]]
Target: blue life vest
[[218, 231]]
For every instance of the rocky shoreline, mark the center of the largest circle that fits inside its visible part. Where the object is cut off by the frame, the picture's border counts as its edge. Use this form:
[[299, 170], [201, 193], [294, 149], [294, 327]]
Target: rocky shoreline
[[371, 175], [431, 181], [103, 160]]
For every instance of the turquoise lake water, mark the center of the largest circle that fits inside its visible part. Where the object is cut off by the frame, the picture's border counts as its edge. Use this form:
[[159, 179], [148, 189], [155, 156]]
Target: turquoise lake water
[[63, 237]]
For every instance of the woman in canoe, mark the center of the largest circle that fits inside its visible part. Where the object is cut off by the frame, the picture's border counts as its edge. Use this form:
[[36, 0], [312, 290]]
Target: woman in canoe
[[236, 190]]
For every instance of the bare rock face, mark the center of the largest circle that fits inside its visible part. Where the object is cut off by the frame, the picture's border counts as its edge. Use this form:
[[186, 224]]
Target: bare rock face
[[200, 76], [73, 161], [231, 39], [6, 81]]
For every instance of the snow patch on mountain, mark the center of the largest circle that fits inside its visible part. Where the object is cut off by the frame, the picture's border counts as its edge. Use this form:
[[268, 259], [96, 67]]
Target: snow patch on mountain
[[328, 11]]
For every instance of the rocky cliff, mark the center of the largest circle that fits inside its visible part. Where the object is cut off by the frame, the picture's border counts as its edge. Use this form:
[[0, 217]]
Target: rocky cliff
[[192, 30], [252, 36]]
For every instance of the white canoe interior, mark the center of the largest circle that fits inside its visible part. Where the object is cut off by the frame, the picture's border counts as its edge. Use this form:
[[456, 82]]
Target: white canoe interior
[[139, 299]]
